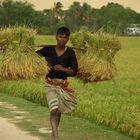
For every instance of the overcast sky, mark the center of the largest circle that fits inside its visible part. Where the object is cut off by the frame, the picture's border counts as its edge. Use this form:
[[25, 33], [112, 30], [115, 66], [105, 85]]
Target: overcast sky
[[47, 4]]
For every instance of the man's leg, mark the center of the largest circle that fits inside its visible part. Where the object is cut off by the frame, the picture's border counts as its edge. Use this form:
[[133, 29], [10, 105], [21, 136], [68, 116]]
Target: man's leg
[[55, 116], [59, 117]]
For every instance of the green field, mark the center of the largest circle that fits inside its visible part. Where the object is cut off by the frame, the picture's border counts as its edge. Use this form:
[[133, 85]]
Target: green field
[[115, 103]]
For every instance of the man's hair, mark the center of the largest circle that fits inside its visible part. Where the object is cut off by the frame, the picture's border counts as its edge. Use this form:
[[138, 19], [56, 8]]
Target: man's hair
[[63, 31]]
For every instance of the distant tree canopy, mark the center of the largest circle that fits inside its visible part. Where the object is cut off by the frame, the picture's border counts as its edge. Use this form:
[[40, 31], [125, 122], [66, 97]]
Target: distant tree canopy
[[112, 18]]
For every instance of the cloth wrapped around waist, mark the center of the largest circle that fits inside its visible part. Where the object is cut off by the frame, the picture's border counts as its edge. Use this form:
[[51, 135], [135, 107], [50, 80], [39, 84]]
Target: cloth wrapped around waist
[[60, 82], [60, 96]]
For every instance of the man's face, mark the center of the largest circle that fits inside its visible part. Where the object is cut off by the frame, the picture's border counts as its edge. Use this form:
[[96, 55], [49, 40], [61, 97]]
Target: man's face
[[62, 39]]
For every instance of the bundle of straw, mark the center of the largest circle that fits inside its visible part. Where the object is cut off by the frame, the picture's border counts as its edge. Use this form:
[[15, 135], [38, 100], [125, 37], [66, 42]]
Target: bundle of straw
[[18, 58], [96, 61]]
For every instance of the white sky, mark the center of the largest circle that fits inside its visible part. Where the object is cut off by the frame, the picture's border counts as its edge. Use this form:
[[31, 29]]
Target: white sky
[[47, 4]]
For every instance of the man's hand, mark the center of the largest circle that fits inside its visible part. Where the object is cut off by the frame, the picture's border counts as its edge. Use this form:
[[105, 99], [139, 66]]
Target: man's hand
[[59, 67]]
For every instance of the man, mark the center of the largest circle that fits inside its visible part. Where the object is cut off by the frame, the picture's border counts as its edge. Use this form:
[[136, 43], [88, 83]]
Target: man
[[63, 63]]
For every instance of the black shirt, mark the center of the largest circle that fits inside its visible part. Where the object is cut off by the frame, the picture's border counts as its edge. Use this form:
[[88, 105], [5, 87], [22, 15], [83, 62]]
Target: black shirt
[[67, 59]]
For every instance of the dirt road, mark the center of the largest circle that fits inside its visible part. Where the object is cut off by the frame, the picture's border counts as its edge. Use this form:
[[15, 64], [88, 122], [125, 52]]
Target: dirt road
[[8, 131]]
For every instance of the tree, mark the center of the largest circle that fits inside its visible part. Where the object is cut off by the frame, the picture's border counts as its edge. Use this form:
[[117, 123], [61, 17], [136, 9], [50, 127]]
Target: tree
[[55, 15], [115, 18], [73, 16], [111, 18], [17, 13]]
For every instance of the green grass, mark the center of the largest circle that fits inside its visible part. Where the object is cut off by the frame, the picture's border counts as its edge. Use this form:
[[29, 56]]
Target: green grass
[[71, 128], [110, 103], [49, 40], [130, 42], [41, 39]]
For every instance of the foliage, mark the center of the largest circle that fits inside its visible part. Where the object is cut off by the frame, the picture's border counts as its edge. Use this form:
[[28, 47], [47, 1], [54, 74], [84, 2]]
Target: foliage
[[112, 18]]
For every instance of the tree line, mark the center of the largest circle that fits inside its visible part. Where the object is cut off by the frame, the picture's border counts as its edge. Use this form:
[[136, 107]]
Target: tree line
[[112, 18]]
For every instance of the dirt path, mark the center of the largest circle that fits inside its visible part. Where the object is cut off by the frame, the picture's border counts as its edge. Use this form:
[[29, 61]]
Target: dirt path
[[8, 131]]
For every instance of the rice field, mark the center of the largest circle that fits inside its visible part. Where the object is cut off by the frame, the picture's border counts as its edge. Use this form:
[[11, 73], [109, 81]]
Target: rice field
[[114, 103]]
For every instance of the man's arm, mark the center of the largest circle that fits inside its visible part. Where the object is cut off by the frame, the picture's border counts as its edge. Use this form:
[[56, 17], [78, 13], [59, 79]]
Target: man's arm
[[41, 52], [73, 63]]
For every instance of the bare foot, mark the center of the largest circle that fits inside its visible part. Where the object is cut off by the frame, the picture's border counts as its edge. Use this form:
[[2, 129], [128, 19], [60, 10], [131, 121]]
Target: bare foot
[[54, 137]]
